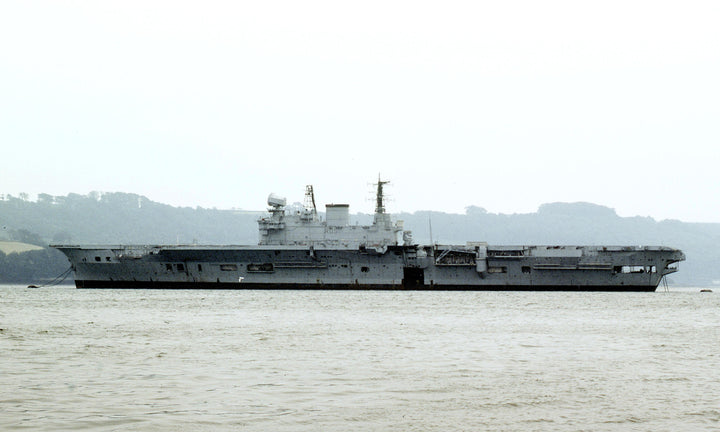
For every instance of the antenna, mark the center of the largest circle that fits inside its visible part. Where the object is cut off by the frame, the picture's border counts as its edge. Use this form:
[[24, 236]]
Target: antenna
[[379, 205]]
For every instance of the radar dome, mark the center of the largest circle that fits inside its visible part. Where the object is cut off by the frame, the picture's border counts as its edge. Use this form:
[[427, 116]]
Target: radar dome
[[276, 201]]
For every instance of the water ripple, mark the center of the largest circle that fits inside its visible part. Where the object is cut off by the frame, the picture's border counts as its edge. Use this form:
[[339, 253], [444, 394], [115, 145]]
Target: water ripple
[[391, 361]]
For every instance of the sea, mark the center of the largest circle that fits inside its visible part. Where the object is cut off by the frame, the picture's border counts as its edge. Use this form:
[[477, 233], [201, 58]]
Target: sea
[[173, 360]]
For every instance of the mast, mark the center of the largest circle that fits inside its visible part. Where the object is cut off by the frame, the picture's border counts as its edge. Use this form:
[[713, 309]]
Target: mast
[[309, 209], [381, 218], [380, 206], [309, 203]]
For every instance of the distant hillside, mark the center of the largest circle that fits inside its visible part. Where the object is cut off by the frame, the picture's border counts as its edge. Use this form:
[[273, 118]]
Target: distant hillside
[[121, 218], [124, 218]]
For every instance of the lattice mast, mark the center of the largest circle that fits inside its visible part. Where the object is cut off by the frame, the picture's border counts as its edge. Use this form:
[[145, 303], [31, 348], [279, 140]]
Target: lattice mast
[[309, 208]]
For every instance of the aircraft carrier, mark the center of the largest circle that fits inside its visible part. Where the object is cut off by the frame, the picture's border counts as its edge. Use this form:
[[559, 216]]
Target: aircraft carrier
[[300, 250]]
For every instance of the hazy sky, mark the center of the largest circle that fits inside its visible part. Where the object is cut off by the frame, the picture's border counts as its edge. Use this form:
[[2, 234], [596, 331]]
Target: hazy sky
[[500, 104]]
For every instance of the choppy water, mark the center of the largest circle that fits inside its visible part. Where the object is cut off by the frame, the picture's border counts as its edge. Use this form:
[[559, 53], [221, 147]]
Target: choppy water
[[390, 361]]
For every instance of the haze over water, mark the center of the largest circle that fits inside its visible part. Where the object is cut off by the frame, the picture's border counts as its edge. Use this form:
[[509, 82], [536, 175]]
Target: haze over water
[[312, 360]]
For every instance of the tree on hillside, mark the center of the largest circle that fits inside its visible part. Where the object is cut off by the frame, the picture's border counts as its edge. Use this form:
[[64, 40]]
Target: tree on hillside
[[44, 198]]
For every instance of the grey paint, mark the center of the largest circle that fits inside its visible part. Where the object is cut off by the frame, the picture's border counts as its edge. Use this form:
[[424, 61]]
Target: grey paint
[[299, 250]]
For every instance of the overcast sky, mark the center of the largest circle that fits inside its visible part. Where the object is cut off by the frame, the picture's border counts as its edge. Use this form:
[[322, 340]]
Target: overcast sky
[[504, 105]]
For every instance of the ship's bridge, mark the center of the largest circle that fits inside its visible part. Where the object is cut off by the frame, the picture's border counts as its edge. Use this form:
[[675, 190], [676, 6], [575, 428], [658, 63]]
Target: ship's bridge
[[305, 227]]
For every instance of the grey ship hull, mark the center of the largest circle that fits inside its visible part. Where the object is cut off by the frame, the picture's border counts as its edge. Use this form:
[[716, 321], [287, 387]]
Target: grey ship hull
[[478, 267]]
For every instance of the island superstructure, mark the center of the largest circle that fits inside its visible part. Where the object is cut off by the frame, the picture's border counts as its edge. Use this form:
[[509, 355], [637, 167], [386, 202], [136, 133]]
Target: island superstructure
[[300, 250]]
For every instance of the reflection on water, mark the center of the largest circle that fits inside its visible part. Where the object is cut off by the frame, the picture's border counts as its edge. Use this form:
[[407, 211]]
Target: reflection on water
[[313, 360]]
